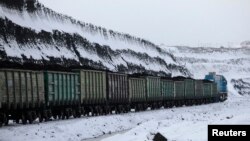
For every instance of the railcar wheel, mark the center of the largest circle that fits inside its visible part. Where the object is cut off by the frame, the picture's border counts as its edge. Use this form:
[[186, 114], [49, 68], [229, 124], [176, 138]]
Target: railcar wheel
[[78, 113], [145, 107], [63, 116], [30, 119], [67, 114], [34, 116], [141, 107], [123, 109], [6, 119], [91, 111], [46, 116], [120, 107], [17, 118], [40, 117], [136, 108], [54, 116], [165, 105], [96, 111], [107, 111], [74, 113], [115, 110], [182, 103], [171, 104], [152, 107], [160, 105], [6, 122], [155, 106], [197, 102], [81, 112], [49, 114], [101, 111], [24, 119], [1, 119], [128, 108]]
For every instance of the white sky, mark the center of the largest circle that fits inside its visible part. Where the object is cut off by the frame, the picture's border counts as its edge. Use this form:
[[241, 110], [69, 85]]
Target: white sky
[[172, 22]]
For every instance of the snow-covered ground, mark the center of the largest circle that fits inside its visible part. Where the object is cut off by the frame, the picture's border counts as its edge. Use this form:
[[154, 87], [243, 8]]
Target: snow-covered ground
[[182, 123]]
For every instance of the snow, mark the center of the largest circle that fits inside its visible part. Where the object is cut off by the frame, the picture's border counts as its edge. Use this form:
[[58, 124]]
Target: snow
[[204, 53], [148, 64], [233, 63], [181, 123], [48, 20], [189, 123], [40, 20], [14, 49]]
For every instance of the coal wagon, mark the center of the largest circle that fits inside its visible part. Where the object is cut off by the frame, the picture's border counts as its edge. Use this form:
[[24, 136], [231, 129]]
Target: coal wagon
[[137, 93], [21, 95], [117, 92]]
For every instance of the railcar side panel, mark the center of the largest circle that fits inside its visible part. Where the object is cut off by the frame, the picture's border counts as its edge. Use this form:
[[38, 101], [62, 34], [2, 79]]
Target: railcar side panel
[[214, 90], [117, 88], [153, 89], [21, 89], [207, 90], [62, 88], [199, 89], [93, 87], [137, 92], [189, 89], [179, 89], [167, 89]]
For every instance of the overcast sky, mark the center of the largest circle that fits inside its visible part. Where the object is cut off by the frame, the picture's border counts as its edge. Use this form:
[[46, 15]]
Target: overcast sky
[[172, 22]]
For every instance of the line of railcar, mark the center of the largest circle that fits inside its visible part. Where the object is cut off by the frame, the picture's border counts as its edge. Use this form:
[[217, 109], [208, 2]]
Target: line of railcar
[[26, 95]]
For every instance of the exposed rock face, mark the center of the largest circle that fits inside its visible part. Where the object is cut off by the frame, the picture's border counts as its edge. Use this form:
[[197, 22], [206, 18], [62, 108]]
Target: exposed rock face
[[242, 86], [33, 36]]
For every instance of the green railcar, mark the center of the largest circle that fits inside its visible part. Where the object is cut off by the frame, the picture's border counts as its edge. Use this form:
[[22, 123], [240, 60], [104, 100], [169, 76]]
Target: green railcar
[[179, 87], [93, 87], [167, 89], [62, 88], [21, 89], [137, 90], [179, 90], [189, 88], [214, 90], [207, 89], [153, 88], [199, 89]]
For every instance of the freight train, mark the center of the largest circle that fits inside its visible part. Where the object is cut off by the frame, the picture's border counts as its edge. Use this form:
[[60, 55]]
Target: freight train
[[27, 95]]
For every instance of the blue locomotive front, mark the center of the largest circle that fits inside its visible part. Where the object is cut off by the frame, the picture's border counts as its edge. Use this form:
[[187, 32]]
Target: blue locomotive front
[[221, 85]]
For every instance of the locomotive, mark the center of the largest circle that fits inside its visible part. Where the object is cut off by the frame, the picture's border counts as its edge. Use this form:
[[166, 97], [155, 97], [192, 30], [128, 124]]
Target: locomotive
[[27, 95]]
